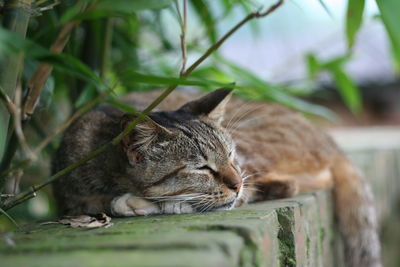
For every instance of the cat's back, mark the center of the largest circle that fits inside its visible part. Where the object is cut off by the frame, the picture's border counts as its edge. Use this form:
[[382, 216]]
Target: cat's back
[[270, 137], [91, 131]]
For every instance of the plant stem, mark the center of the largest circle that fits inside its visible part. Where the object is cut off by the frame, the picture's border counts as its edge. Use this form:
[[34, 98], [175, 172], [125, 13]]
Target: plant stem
[[183, 22], [89, 105], [39, 78], [35, 87], [16, 15], [131, 125], [107, 44]]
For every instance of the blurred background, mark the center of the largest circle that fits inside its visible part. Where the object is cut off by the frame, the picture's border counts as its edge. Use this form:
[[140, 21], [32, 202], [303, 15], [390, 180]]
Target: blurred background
[[335, 61]]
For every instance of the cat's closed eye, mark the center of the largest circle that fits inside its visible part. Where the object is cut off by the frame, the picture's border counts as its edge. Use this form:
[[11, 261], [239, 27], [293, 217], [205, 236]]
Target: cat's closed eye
[[208, 168]]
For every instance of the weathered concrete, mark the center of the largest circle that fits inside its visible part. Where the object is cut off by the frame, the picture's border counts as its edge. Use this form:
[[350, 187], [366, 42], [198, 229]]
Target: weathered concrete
[[376, 150], [275, 233], [298, 231]]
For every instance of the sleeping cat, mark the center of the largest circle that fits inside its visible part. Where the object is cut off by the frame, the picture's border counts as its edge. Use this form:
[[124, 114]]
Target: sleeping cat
[[212, 153]]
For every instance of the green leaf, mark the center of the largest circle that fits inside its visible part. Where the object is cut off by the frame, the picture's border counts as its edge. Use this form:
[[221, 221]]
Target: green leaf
[[8, 217], [111, 8], [71, 65], [354, 16], [336, 62], [276, 94], [347, 89], [14, 44], [313, 66], [122, 106], [160, 80], [391, 19], [252, 86]]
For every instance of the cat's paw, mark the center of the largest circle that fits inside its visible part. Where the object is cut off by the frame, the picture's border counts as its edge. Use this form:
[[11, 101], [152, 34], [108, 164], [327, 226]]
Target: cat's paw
[[174, 207], [129, 205]]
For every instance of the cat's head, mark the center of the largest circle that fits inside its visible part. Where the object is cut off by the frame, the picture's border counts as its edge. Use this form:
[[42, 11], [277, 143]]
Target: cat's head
[[186, 155]]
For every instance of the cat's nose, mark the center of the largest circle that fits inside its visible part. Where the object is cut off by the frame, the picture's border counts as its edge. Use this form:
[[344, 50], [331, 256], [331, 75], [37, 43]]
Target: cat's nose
[[232, 179], [235, 187]]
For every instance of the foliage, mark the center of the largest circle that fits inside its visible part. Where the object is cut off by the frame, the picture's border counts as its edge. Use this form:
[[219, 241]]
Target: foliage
[[390, 16], [122, 45]]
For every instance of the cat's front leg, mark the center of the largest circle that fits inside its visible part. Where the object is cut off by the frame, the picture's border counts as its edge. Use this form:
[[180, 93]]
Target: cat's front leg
[[130, 205], [175, 207]]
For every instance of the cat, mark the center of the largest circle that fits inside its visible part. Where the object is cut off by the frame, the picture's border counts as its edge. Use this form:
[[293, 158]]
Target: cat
[[209, 153]]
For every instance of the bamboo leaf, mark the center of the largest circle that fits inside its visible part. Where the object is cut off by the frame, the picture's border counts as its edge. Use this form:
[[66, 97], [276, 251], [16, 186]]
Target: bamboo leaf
[[278, 95], [390, 15], [354, 16], [347, 89], [111, 8], [313, 66], [252, 86], [336, 62], [160, 80], [12, 43], [8, 217], [122, 106], [345, 85]]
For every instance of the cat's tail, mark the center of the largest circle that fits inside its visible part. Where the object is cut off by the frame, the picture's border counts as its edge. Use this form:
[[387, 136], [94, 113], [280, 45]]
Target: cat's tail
[[356, 215]]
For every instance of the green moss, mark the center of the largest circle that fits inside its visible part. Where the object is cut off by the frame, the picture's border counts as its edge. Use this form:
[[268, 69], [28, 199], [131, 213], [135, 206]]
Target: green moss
[[308, 246], [286, 237], [322, 235]]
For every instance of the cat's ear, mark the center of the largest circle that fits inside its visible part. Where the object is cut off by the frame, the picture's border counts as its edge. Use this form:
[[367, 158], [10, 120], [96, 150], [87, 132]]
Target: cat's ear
[[144, 133], [211, 105]]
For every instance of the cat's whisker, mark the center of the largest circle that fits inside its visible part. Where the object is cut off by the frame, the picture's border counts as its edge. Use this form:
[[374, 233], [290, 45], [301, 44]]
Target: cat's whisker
[[210, 204], [242, 115], [248, 184], [236, 113], [252, 174], [238, 116], [243, 122], [239, 119], [253, 189]]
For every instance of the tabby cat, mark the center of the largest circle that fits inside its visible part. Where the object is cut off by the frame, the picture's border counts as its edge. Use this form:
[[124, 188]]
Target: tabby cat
[[213, 153]]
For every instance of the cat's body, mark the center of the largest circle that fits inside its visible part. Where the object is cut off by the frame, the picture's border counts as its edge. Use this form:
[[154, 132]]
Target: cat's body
[[187, 162]]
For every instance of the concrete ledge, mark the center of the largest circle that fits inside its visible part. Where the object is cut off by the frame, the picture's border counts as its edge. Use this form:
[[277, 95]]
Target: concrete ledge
[[296, 231]]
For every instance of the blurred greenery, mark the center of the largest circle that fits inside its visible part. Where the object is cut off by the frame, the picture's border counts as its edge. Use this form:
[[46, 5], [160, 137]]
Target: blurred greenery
[[124, 45], [389, 10]]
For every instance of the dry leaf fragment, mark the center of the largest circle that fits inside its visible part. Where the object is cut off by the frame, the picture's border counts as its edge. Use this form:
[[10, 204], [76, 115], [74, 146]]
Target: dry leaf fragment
[[96, 221]]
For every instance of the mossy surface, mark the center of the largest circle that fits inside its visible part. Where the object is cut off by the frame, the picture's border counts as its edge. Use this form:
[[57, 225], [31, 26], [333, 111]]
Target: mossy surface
[[286, 237], [262, 234]]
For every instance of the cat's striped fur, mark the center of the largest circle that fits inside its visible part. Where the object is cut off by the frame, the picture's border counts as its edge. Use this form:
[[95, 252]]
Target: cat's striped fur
[[212, 154]]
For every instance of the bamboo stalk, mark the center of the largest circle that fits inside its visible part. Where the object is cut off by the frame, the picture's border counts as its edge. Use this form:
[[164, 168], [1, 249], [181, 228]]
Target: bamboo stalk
[[16, 14], [35, 87], [107, 44], [131, 125], [39, 78]]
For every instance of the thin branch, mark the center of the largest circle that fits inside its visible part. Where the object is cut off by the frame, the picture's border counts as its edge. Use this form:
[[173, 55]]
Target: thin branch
[[70, 120], [215, 46], [89, 105], [7, 102], [183, 36], [178, 12], [18, 125], [131, 125], [39, 78], [15, 110], [7, 195], [48, 7]]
